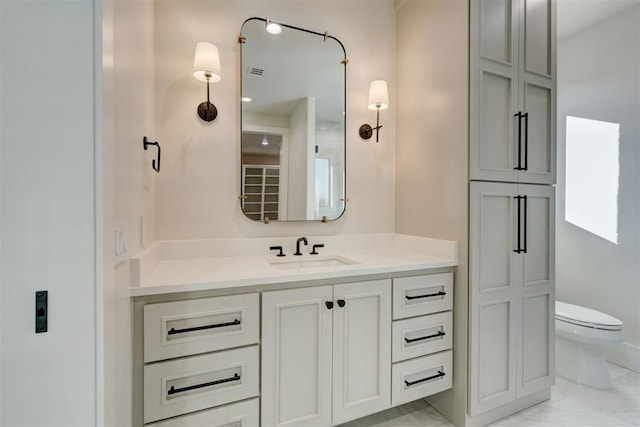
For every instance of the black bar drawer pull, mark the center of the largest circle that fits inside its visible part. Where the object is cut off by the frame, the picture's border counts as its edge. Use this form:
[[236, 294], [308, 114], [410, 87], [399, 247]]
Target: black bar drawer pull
[[432, 377], [174, 331], [173, 390], [438, 294], [439, 334]]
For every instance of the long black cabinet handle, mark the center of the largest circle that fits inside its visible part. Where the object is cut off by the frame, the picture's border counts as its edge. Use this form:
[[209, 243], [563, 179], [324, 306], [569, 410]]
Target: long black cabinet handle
[[526, 141], [439, 334], [174, 390], [438, 294], [519, 115], [518, 250], [524, 198], [432, 377], [174, 331]]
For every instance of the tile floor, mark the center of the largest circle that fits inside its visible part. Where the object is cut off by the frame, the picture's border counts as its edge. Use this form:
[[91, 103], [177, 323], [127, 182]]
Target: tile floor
[[570, 405]]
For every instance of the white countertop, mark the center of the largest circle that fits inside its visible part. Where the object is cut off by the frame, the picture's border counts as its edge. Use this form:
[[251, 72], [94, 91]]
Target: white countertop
[[199, 265]]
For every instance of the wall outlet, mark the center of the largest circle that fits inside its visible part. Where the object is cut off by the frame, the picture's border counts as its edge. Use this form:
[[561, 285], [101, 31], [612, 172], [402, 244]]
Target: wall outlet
[[121, 251]]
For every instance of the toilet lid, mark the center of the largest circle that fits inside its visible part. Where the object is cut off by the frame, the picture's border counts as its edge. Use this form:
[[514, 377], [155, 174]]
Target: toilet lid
[[586, 317]]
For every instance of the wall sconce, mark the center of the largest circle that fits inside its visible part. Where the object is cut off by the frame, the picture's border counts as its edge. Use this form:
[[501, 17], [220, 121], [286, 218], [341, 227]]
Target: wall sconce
[[378, 100], [206, 68]]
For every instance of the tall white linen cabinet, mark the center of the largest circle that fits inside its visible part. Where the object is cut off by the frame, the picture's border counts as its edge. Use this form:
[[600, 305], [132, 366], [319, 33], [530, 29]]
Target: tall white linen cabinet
[[479, 116]]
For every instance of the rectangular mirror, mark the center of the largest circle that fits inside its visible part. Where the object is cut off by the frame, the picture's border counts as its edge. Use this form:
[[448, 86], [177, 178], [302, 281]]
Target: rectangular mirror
[[293, 123]]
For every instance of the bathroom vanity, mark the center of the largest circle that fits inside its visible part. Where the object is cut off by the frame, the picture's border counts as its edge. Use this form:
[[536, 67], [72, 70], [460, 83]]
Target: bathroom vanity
[[228, 333]]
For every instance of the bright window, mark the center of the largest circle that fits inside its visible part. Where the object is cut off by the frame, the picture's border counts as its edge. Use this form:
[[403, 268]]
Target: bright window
[[592, 176]]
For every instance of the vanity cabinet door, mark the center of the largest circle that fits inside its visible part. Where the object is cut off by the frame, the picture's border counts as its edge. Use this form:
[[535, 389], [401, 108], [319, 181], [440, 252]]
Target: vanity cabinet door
[[296, 357], [326, 354], [361, 349]]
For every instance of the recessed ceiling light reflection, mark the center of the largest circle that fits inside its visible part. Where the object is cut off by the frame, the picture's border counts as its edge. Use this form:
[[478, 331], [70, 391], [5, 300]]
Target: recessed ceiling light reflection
[[272, 27], [245, 99]]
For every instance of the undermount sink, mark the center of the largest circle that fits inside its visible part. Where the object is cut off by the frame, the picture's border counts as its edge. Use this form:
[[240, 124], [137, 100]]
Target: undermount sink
[[304, 264]]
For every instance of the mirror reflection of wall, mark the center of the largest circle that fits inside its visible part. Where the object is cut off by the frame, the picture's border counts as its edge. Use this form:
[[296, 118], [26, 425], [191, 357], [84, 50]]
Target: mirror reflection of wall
[[293, 87]]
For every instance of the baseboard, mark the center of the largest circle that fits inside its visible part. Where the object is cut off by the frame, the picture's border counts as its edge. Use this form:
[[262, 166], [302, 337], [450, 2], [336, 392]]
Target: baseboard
[[626, 355], [508, 409]]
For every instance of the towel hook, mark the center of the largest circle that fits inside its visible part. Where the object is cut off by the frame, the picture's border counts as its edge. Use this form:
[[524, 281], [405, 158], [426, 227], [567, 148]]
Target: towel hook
[[155, 165]]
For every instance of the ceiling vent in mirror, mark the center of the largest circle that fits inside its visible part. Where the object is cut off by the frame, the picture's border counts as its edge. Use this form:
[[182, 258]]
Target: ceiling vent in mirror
[[256, 71]]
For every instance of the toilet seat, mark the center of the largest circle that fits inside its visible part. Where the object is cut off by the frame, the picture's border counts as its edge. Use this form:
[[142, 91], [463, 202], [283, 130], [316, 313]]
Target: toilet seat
[[586, 317]]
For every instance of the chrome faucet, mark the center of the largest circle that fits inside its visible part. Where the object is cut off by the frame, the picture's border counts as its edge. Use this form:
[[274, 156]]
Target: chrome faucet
[[303, 240]]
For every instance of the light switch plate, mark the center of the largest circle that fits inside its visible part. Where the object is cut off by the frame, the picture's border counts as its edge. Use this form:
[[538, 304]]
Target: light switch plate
[[120, 242]]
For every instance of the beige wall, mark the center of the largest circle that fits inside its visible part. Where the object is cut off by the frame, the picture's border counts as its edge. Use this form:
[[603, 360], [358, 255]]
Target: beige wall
[[134, 65], [432, 149], [129, 180], [197, 190]]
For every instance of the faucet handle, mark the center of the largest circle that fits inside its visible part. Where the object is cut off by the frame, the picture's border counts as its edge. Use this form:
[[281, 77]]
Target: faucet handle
[[277, 248], [316, 246]]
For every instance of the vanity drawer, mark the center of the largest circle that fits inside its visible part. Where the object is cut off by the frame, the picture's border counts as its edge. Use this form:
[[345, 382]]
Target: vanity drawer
[[241, 414], [418, 295], [190, 384], [418, 378], [422, 335], [182, 328]]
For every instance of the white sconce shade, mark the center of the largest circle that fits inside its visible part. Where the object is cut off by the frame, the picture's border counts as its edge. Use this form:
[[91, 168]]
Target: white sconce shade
[[206, 63], [378, 100], [378, 95]]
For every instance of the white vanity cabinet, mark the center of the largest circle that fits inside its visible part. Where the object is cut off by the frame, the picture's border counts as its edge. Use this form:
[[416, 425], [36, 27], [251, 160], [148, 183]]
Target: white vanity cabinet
[[512, 91], [422, 336], [294, 349], [199, 354], [512, 293], [326, 353]]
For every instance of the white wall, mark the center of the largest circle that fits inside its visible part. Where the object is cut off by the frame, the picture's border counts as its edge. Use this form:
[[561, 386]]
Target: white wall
[[198, 189], [301, 139], [598, 71], [432, 150], [48, 237]]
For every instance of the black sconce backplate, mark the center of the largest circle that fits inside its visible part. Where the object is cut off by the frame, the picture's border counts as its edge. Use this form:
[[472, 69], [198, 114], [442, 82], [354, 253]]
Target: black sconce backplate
[[207, 111]]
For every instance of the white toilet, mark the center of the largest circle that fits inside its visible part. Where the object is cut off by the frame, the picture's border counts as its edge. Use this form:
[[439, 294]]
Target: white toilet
[[581, 334]]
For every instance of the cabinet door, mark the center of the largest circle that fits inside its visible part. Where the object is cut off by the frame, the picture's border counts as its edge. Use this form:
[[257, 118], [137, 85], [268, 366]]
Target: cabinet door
[[362, 349], [495, 275], [536, 349], [537, 37], [296, 357], [494, 90], [512, 72], [536, 145]]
